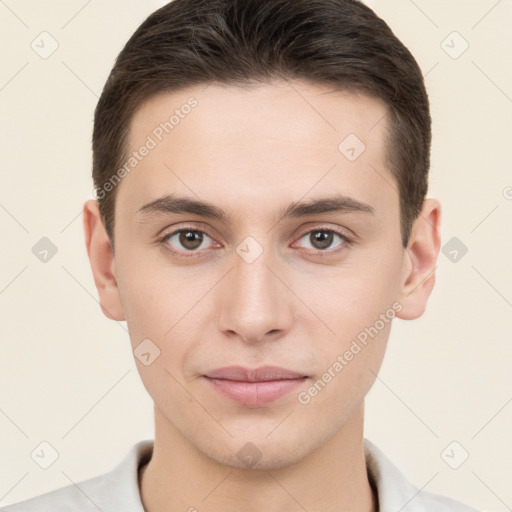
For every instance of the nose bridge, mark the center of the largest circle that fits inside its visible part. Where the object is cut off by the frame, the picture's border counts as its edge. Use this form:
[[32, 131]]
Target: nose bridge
[[253, 302]]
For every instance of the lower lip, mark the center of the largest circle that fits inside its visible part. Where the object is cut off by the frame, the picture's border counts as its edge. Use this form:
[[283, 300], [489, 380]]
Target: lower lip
[[255, 394]]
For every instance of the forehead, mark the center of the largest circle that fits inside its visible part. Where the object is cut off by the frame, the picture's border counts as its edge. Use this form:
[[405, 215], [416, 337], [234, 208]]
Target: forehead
[[302, 108], [223, 142]]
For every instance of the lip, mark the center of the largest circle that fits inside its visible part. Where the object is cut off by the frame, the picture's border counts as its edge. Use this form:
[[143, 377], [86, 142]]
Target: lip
[[261, 374], [255, 387]]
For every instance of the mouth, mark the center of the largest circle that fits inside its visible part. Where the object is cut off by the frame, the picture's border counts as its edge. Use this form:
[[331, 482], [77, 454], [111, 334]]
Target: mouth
[[254, 387]]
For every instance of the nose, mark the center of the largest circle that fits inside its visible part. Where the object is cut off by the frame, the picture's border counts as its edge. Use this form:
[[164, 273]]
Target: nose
[[255, 303]]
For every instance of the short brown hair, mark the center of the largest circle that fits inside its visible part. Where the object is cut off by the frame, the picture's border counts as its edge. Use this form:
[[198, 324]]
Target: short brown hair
[[340, 43]]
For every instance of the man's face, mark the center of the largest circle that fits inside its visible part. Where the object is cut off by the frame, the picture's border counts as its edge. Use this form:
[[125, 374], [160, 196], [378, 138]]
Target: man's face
[[260, 288]]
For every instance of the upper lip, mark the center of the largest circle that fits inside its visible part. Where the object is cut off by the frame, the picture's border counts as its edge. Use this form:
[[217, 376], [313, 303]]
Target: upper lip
[[261, 374]]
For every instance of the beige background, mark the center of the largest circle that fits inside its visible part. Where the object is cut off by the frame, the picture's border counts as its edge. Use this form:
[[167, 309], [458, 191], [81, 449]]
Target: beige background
[[67, 373]]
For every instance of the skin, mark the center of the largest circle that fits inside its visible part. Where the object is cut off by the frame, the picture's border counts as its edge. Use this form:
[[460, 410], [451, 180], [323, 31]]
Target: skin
[[252, 151]]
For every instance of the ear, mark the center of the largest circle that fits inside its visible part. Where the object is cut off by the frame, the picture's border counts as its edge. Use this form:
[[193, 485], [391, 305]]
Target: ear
[[102, 261], [420, 259]]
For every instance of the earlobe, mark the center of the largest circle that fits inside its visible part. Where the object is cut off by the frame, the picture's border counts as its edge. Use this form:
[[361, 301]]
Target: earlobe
[[420, 260], [102, 261]]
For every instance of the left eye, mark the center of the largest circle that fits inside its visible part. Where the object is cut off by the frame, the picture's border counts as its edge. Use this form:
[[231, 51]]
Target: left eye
[[321, 239], [190, 239]]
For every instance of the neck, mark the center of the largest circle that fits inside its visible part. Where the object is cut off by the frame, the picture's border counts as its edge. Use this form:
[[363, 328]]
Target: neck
[[332, 478]]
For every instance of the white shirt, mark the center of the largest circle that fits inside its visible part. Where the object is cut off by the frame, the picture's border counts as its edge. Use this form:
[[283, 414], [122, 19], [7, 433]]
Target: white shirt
[[118, 489]]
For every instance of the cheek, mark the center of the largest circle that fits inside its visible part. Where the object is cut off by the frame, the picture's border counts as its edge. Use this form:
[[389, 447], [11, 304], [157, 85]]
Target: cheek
[[155, 313], [352, 298], [155, 295], [166, 305], [356, 305], [349, 365]]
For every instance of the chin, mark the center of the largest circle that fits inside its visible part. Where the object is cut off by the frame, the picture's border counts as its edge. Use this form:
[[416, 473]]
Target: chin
[[261, 452]]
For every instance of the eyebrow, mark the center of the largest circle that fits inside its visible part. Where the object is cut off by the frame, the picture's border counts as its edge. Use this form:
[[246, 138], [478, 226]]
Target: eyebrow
[[172, 204]]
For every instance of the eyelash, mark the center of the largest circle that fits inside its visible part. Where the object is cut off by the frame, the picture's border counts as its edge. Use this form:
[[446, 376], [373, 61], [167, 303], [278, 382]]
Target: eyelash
[[192, 254]]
